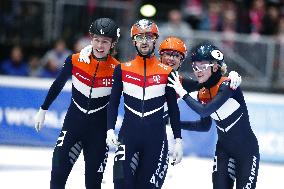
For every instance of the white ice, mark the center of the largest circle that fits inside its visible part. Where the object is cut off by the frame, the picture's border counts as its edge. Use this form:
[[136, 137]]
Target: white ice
[[29, 168]]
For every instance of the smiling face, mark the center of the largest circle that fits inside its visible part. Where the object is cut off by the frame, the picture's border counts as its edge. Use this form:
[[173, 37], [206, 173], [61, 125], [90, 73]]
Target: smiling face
[[202, 70], [171, 58], [101, 46]]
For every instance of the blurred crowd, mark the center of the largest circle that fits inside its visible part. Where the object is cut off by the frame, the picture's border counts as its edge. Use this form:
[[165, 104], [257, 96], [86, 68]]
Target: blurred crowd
[[256, 17], [21, 24], [48, 65], [260, 17]]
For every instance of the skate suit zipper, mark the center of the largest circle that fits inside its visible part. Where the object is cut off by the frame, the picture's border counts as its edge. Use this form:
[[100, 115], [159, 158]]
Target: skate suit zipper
[[92, 86], [144, 85]]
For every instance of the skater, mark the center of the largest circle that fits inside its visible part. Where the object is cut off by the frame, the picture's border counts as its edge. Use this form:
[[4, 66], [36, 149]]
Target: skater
[[237, 150], [85, 124], [172, 52], [140, 159]]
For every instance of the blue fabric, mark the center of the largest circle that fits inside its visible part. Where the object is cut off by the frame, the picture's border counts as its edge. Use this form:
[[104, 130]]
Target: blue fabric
[[7, 67]]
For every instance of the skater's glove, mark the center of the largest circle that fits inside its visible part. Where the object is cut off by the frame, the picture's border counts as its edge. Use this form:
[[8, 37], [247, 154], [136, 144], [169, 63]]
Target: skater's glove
[[236, 80], [85, 54], [178, 152], [175, 83], [39, 119], [111, 138]]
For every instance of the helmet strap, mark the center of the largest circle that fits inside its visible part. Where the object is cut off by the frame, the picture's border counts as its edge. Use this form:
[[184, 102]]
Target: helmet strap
[[181, 61], [178, 66]]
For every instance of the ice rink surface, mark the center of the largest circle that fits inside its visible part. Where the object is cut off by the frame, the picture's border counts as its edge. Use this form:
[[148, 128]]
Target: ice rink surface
[[29, 168]]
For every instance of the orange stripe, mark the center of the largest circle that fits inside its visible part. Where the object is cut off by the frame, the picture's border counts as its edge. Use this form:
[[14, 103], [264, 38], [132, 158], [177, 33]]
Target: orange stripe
[[105, 68], [153, 66], [204, 95]]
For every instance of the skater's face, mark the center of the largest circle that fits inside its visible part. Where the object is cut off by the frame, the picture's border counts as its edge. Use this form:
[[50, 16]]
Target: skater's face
[[202, 70], [145, 43], [171, 58], [101, 45]]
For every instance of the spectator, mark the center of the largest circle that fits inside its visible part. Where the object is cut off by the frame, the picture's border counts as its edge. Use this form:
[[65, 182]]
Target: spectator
[[175, 26], [211, 18], [193, 12], [50, 70], [81, 43], [229, 17], [15, 65], [56, 56], [243, 18], [270, 21], [229, 24], [35, 67], [229, 21], [256, 15]]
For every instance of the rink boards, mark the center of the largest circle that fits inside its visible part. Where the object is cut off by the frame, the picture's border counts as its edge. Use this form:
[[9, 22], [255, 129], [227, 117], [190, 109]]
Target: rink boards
[[21, 98]]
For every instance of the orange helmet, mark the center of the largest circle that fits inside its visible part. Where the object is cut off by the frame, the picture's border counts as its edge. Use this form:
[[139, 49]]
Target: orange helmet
[[175, 44], [144, 26]]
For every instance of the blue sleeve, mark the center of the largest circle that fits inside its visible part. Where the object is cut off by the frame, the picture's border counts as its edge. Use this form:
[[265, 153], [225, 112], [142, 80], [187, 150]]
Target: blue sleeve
[[201, 125], [205, 110], [115, 95], [173, 110], [190, 85], [58, 83]]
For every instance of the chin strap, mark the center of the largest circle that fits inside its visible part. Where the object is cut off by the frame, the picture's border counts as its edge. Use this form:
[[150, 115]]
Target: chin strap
[[179, 65]]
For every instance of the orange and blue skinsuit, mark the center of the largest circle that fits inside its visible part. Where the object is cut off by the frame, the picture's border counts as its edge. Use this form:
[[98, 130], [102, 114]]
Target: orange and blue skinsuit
[[141, 160], [85, 123]]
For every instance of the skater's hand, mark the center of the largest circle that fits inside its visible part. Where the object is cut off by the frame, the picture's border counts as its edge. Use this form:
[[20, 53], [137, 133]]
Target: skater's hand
[[85, 54], [39, 119], [111, 138], [175, 83], [236, 80], [178, 152]]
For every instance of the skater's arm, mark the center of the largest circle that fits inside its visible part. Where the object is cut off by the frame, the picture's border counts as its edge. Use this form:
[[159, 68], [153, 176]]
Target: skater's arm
[[190, 85], [173, 111], [201, 125], [205, 110], [115, 95]]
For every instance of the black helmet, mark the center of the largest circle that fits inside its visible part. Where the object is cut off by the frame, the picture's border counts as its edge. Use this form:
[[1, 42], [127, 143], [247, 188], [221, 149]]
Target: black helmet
[[105, 27], [207, 52]]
